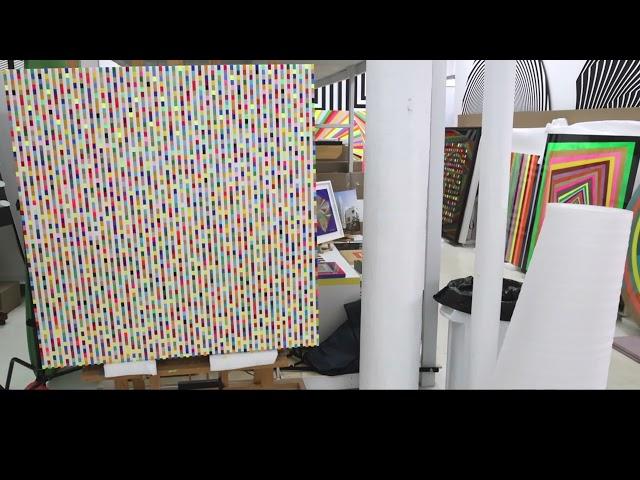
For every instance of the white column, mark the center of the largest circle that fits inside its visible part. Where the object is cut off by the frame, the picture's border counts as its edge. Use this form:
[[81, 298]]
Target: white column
[[352, 102], [398, 111], [434, 222], [493, 163]]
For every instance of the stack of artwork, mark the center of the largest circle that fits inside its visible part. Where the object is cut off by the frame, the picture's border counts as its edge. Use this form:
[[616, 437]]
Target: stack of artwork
[[584, 169], [167, 211], [523, 184]]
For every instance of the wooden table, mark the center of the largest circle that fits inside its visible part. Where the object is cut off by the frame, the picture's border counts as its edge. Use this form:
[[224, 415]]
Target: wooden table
[[263, 375]]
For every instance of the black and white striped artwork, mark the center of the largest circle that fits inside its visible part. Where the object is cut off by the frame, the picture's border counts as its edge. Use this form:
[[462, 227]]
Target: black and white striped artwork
[[335, 96], [10, 64], [608, 84], [531, 88]]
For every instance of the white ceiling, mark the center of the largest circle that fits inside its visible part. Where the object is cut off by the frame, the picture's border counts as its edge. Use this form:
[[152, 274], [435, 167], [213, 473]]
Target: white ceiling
[[323, 68]]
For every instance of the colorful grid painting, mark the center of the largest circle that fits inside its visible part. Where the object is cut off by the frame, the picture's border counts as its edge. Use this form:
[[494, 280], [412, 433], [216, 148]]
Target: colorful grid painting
[[339, 117], [460, 149], [631, 282], [585, 169], [168, 211], [524, 178]]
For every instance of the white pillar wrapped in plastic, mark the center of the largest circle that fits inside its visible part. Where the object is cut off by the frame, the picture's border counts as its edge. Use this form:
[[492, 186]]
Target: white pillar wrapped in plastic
[[398, 112], [493, 163], [563, 325]]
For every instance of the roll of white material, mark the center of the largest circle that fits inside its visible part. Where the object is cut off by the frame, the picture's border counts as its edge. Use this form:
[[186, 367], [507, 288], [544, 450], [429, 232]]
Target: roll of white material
[[143, 367], [563, 324], [233, 361]]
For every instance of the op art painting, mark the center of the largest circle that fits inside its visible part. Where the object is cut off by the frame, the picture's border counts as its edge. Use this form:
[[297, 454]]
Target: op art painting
[[167, 211], [631, 282], [585, 169]]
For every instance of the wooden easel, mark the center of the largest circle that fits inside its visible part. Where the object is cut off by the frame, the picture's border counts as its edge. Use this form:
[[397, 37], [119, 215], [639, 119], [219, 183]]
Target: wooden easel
[[263, 375]]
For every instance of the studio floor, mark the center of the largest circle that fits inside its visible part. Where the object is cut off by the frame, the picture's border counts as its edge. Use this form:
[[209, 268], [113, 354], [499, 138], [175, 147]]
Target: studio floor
[[457, 262]]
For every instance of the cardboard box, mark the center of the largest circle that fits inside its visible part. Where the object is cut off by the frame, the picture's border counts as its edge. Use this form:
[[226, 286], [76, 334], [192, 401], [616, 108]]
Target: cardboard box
[[10, 296], [326, 166], [339, 180], [329, 152]]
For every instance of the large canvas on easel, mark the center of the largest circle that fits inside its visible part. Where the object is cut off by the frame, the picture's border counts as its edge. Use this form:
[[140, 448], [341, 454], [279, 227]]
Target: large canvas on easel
[[584, 169], [167, 211], [460, 150]]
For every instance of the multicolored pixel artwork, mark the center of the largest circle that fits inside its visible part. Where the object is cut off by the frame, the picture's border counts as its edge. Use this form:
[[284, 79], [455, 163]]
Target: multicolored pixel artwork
[[167, 211], [585, 169]]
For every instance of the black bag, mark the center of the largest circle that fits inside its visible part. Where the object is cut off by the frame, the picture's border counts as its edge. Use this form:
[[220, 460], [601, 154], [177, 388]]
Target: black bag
[[458, 294], [339, 354]]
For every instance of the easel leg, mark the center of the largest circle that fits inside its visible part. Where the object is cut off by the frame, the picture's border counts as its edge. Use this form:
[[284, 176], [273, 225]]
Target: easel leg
[[224, 378], [138, 383], [154, 382], [263, 377], [121, 383]]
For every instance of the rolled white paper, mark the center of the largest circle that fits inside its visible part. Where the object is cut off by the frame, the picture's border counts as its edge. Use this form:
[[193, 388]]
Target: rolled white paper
[[233, 361], [563, 324], [144, 367]]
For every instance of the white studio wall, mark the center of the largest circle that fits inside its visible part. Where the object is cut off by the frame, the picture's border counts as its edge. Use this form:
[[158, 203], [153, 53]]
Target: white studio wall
[[451, 120], [398, 111], [562, 75], [462, 69], [563, 324]]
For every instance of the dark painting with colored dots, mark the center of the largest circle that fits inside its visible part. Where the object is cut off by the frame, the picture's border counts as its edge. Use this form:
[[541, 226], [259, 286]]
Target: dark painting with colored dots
[[460, 149]]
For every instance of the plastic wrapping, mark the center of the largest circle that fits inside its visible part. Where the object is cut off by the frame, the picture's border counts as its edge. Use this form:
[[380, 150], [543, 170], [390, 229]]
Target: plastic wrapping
[[459, 292]]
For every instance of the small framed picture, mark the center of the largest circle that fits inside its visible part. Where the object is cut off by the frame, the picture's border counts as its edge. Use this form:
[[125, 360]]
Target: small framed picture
[[328, 224]]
